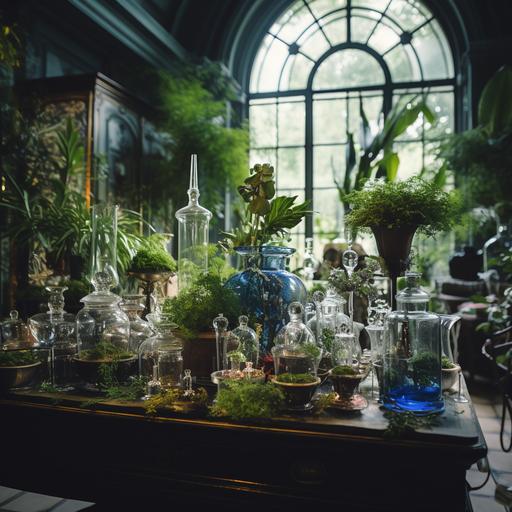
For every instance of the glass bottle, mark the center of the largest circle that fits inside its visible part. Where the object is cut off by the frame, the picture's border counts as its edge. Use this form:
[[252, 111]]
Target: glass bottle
[[140, 330], [412, 353], [56, 330], [103, 329], [15, 333], [193, 232], [160, 356], [248, 339], [309, 263]]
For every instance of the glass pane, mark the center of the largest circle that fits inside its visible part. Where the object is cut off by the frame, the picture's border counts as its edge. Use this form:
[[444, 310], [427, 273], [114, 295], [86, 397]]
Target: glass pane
[[315, 45], [433, 51], [378, 5], [322, 7], [348, 68], [329, 121], [328, 164], [441, 103], [262, 124], [328, 219], [272, 65], [402, 64], [407, 14], [292, 123], [293, 27], [361, 27], [258, 62], [372, 107], [296, 72], [383, 38], [290, 167], [297, 242], [299, 192], [262, 156], [414, 131], [336, 30], [410, 155]]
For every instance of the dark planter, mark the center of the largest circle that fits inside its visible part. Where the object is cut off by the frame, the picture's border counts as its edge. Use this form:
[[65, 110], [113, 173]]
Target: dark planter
[[467, 264], [18, 376], [199, 355], [89, 371], [298, 396], [394, 246], [346, 385]]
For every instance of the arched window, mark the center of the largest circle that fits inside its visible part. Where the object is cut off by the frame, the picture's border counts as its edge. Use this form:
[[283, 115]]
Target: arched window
[[317, 65]]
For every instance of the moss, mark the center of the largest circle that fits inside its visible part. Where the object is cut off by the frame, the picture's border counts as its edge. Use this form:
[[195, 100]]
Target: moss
[[17, 358], [343, 371], [105, 351], [446, 364], [152, 257], [296, 378]]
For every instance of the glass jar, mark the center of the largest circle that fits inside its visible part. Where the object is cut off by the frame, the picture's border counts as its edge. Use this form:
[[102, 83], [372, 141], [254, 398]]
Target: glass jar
[[249, 343], [140, 330], [412, 297], [15, 333], [193, 233], [160, 355]]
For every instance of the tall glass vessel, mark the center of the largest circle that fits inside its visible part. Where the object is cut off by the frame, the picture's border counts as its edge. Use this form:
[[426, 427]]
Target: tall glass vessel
[[193, 226], [500, 244]]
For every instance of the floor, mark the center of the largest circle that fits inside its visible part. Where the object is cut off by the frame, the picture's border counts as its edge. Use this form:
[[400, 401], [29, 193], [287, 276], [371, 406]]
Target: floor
[[488, 409]]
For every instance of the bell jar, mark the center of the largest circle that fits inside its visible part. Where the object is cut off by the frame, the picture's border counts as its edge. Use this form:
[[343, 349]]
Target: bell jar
[[249, 343], [140, 330]]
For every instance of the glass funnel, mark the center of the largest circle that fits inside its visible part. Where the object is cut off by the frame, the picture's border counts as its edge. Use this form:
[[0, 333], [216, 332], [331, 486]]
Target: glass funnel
[[193, 232], [160, 356], [140, 330]]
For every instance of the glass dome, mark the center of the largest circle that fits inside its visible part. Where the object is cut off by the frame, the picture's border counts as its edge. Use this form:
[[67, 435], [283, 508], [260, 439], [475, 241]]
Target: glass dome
[[193, 232], [15, 333], [140, 330], [160, 356], [412, 297], [249, 343]]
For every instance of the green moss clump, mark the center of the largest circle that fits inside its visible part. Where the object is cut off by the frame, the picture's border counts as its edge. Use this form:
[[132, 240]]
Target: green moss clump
[[241, 400], [105, 351], [446, 364], [17, 358], [343, 370], [152, 257], [296, 378], [195, 307]]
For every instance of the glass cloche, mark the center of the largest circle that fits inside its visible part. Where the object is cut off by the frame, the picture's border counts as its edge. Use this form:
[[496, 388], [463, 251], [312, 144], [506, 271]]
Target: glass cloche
[[249, 343], [412, 297], [15, 333], [160, 356], [140, 330]]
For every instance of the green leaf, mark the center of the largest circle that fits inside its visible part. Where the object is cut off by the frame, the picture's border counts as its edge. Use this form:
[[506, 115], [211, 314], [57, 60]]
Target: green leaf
[[350, 163], [259, 205], [495, 105], [391, 163], [269, 189]]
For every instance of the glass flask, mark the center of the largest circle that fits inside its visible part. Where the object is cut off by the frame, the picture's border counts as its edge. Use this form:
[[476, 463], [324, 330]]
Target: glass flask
[[56, 330], [296, 350], [103, 329], [160, 356], [15, 333], [140, 330], [309, 263], [193, 232], [249, 343]]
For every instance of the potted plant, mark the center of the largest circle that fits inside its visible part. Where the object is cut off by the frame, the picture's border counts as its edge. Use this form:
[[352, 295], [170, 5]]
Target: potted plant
[[345, 380], [18, 368], [395, 210], [265, 288], [193, 310], [449, 373], [298, 389], [151, 264]]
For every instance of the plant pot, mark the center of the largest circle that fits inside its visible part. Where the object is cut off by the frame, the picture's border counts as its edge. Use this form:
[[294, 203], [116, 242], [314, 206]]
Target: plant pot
[[298, 396], [346, 385], [394, 246], [89, 371], [449, 377], [18, 376]]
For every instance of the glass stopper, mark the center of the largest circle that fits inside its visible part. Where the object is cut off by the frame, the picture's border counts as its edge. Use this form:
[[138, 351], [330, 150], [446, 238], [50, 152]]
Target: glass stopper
[[56, 300], [243, 320], [220, 323], [318, 296], [349, 260]]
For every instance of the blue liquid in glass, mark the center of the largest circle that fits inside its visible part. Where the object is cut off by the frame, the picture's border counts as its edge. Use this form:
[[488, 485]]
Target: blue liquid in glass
[[418, 399]]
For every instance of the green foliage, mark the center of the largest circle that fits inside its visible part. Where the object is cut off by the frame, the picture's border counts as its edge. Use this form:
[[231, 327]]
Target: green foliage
[[194, 308], [360, 281], [413, 202], [296, 378], [324, 401], [328, 339], [152, 257], [446, 364], [317, 287], [402, 423], [267, 218], [311, 350], [495, 105], [242, 400], [425, 365], [10, 46], [343, 370], [17, 358], [47, 387], [134, 390], [236, 356], [105, 351], [168, 399]]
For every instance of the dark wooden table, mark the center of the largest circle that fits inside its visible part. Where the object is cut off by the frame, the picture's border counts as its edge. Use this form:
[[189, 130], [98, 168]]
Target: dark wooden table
[[121, 459]]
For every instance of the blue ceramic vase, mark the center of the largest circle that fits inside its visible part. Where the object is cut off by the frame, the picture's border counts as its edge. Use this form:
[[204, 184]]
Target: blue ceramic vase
[[266, 289]]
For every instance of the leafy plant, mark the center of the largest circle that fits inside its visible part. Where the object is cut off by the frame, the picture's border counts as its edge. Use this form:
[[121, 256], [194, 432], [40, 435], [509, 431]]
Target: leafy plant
[[242, 400], [17, 358], [446, 364], [343, 371], [413, 202], [267, 218], [194, 308], [402, 423], [152, 257], [167, 400], [105, 351], [311, 350], [296, 378], [10, 45], [360, 281]]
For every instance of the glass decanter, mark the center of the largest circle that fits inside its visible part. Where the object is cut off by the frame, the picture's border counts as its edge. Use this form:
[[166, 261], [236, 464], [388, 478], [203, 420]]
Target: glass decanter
[[15, 333], [160, 356], [140, 330], [248, 339], [193, 232], [103, 329], [56, 330]]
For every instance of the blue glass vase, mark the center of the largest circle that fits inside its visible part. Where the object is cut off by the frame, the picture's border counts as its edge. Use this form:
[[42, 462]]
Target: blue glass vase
[[266, 289]]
